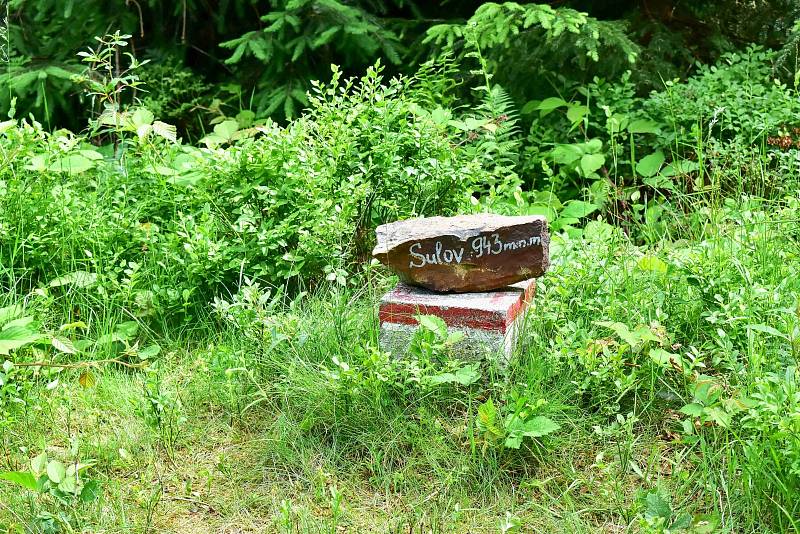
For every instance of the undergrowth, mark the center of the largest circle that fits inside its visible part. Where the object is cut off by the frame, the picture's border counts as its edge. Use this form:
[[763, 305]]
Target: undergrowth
[[190, 340]]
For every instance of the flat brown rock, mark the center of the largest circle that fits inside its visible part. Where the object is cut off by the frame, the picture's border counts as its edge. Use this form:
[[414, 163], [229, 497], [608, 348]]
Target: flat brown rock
[[465, 253]]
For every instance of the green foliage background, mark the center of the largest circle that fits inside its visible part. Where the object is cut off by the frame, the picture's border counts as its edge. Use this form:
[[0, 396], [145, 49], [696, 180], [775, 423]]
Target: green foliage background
[[262, 55], [186, 215]]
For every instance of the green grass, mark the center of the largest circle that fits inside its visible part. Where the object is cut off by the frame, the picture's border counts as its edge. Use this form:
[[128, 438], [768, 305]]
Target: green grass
[[661, 354], [252, 434]]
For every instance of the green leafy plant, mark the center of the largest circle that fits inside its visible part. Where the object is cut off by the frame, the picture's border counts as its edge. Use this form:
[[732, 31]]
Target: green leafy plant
[[59, 483], [16, 331], [108, 82], [122, 340], [304, 33], [433, 340], [509, 424], [709, 405], [660, 517], [770, 416], [162, 410]]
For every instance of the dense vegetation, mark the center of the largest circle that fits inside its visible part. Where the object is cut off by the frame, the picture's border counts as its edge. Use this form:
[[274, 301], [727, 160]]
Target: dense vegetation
[[188, 333]]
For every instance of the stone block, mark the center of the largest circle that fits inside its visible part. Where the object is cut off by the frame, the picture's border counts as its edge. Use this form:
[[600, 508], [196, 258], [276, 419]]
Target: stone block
[[489, 320], [466, 253]]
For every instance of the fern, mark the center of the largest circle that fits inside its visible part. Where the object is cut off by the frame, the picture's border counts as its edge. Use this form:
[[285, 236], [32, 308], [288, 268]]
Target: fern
[[501, 144], [435, 83]]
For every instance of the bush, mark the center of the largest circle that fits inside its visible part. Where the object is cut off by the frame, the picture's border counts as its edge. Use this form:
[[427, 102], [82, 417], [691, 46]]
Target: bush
[[738, 98], [164, 224]]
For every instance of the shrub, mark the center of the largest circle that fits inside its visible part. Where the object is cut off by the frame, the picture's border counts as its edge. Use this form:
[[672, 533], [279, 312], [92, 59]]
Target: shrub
[[165, 225]]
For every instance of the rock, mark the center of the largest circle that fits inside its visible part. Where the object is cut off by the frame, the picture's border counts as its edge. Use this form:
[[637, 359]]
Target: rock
[[465, 253], [490, 321]]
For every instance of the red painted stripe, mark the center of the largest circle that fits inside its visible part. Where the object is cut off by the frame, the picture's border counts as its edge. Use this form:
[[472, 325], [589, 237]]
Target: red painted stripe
[[521, 304], [493, 321], [465, 317]]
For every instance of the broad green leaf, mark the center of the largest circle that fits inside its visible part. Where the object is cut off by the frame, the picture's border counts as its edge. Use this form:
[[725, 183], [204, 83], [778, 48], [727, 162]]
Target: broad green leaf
[[549, 104], [441, 116], [567, 154], [765, 329], [56, 471], [442, 378], [487, 418], [141, 117], [719, 416], [549, 213], [657, 507], [72, 164], [90, 491], [433, 323], [577, 209], [663, 357], [683, 522], [21, 322], [245, 118], [539, 426], [163, 170], [650, 165], [633, 338], [111, 117], [679, 167], [226, 129], [127, 330], [467, 375], [643, 126], [68, 484], [530, 107], [10, 312], [39, 464], [598, 232], [21, 478], [16, 337], [693, 408], [454, 337], [706, 390], [166, 131], [91, 154], [189, 179], [576, 113], [659, 182], [547, 198], [513, 440], [705, 524], [64, 345], [149, 352], [644, 333], [143, 131], [76, 279], [591, 146], [38, 163], [592, 162], [652, 263], [473, 123]]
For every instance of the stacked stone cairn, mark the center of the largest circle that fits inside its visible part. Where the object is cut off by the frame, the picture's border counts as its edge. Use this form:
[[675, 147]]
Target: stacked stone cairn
[[476, 272]]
